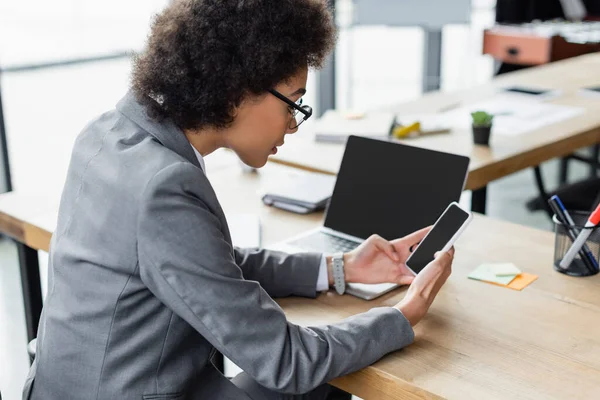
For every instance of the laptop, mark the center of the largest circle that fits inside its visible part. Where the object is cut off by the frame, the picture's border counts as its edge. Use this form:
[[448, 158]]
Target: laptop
[[387, 188]]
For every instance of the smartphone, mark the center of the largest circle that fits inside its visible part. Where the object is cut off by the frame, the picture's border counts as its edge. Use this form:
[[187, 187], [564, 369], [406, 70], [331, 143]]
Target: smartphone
[[446, 230], [526, 90], [536, 92]]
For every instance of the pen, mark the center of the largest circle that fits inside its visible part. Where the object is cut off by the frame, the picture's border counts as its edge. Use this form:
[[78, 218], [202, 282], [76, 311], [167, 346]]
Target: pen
[[564, 218], [583, 236]]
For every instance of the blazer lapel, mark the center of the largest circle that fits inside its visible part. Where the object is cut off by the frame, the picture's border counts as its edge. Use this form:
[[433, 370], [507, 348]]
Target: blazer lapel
[[173, 138], [166, 132]]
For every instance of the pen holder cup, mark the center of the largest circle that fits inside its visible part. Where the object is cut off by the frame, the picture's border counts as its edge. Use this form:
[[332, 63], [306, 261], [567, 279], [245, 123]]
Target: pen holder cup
[[563, 242]]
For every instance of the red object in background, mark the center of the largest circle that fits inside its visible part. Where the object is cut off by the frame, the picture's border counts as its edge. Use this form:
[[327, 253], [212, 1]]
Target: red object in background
[[528, 44]]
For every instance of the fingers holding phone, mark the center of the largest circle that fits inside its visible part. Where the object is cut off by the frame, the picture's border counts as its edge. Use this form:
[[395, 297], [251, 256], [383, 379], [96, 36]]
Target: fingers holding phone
[[431, 262], [426, 286]]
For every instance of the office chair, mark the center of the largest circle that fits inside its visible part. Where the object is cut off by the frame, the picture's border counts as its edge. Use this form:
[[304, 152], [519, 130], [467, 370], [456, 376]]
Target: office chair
[[583, 195]]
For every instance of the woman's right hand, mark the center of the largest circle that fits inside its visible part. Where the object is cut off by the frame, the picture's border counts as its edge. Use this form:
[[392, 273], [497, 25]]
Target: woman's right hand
[[425, 287]]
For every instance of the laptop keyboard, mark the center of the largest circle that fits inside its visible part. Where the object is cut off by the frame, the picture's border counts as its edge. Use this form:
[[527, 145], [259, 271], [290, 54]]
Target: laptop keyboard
[[324, 243]]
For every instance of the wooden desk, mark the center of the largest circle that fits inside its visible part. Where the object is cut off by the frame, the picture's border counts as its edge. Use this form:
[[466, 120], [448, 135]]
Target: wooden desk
[[479, 341], [506, 154]]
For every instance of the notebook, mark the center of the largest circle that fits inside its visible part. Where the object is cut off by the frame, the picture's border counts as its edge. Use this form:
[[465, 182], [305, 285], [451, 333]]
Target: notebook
[[336, 126], [301, 193]]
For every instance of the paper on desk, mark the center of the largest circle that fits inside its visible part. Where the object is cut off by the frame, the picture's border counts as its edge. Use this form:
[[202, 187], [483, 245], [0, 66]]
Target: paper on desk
[[513, 115], [335, 126], [244, 229]]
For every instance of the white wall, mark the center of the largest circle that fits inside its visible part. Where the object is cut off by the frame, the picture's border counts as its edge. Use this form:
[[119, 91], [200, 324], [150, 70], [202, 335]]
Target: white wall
[[35, 31]]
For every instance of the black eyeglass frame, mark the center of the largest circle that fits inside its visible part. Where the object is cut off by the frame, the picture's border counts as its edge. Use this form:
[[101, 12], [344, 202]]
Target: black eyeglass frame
[[304, 109]]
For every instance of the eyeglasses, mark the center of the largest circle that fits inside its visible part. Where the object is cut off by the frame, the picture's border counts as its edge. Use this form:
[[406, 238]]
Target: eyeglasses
[[295, 108]]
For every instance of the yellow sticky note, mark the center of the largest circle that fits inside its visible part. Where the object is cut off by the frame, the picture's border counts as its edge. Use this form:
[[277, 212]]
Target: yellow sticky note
[[486, 273], [522, 281]]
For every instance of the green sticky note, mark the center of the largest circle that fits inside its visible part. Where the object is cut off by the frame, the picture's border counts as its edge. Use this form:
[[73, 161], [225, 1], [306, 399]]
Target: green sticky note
[[486, 272], [505, 269]]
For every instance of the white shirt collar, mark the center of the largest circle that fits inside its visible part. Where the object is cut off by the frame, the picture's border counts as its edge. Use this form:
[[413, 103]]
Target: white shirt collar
[[200, 159]]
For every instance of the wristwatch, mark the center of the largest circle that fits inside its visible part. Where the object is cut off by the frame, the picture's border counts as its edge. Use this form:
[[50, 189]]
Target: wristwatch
[[339, 278]]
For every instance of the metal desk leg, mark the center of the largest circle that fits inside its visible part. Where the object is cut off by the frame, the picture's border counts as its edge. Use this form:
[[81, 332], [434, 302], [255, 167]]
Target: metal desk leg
[[595, 156], [563, 172], [478, 200], [32, 289], [539, 181]]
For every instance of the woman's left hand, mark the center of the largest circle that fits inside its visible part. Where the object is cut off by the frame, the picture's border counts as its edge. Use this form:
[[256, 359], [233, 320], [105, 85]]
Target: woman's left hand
[[377, 260]]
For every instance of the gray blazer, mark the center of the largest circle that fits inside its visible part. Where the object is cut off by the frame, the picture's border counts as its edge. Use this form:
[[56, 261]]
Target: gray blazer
[[144, 284]]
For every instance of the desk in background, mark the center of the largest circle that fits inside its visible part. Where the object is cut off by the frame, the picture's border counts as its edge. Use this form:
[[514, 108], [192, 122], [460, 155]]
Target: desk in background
[[541, 42], [506, 154], [478, 341]]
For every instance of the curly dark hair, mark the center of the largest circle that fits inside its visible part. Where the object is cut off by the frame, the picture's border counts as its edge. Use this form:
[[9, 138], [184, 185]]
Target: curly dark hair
[[203, 57]]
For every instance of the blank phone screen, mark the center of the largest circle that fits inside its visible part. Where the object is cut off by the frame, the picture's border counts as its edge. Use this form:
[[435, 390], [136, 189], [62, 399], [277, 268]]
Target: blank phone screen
[[441, 233]]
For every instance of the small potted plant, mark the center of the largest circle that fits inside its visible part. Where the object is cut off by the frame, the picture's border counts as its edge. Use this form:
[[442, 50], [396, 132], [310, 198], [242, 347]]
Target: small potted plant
[[482, 127]]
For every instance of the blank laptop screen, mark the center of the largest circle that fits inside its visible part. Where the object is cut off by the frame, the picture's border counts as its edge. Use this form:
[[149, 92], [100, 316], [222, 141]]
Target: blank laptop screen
[[392, 189]]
